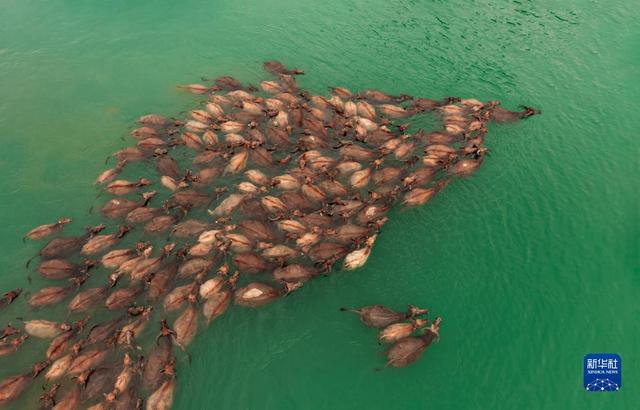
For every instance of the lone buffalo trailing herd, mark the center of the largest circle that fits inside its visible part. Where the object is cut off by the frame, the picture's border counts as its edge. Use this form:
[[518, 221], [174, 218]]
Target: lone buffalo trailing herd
[[257, 191]]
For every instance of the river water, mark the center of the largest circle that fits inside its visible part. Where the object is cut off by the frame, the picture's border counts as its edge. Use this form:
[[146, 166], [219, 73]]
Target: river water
[[532, 262]]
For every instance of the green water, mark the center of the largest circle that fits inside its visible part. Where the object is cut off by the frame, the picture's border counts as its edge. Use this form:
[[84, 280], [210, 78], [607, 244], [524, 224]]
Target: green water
[[532, 262]]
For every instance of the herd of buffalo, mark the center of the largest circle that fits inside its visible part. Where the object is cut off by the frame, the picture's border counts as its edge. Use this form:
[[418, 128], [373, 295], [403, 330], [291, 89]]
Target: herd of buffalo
[[255, 192], [398, 328]]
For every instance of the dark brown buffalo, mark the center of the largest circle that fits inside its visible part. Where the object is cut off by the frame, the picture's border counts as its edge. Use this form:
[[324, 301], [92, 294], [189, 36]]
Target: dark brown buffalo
[[87, 299], [123, 187], [57, 269], [142, 214], [159, 282], [48, 399], [87, 360], [147, 265], [186, 326], [256, 230], [99, 243], [9, 297], [178, 296], [216, 304], [377, 316], [117, 257], [194, 266], [294, 273], [160, 224], [409, 349], [104, 331], [127, 400], [110, 173], [189, 228], [49, 296], [130, 154], [12, 387], [250, 263], [39, 367], [43, 231], [71, 400], [8, 331], [350, 233], [397, 331], [192, 198], [61, 247], [155, 362], [424, 104], [227, 83], [120, 207], [122, 297], [501, 115], [327, 252], [276, 68], [60, 345], [10, 345], [153, 120], [166, 165], [162, 398], [99, 383]]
